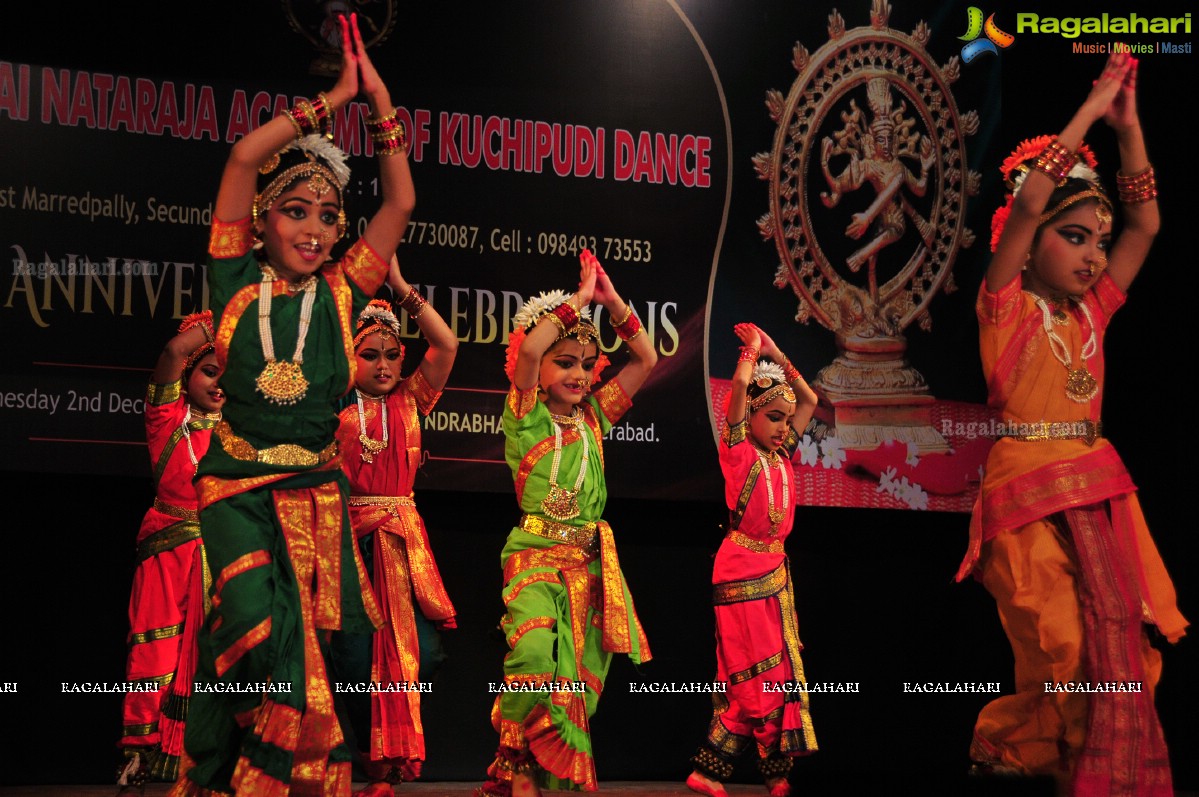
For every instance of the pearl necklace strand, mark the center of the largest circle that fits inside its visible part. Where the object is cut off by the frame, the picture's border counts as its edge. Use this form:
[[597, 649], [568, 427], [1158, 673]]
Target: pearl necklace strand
[[776, 515], [370, 447], [283, 382], [1081, 386], [562, 504]]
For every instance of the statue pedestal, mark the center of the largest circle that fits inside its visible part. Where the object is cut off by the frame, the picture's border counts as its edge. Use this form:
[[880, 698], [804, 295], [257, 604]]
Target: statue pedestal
[[876, 396]]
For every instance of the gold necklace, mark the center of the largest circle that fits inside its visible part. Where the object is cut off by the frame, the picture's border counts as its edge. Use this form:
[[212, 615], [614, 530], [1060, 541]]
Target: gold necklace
[[560, 503], [1081, 386], [776, 515], [370, 447], [283, 382]]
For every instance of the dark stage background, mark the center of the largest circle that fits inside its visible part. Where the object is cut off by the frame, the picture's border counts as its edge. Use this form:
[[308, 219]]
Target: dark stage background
[[876, 602]]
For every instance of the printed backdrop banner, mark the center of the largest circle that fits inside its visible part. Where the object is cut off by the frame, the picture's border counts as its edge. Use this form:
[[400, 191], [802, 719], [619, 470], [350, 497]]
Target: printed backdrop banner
[[826, 174]]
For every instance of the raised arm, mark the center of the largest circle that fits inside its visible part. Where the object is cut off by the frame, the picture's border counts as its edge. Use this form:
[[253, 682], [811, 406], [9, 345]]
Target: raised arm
[[805, 398], [1016, 242], [538, 340], [386, 228], [443, 346], [642, 355], [1135, 184], [751, 347], [235, 197], [193, 333]]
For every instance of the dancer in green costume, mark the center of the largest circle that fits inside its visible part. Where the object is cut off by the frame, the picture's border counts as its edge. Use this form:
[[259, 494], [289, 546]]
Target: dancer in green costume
[[568, 607], [272, 494]]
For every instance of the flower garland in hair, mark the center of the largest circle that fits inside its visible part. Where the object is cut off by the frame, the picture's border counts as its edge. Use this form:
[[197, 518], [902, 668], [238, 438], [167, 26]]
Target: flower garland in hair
[[378, 315], [1015, 169], [527, 317]]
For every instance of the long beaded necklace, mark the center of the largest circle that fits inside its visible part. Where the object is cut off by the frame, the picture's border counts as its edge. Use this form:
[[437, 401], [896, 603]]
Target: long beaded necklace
[[185, 427], [776, 514], [283, 382], [560, 503], [370, 447], [1081, 386]]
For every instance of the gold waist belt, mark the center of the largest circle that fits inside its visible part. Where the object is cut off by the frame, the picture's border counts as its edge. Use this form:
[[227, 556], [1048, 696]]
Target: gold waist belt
[[1086, 430], [284, 454], [579, 536], [758, 546], [179, 512], [382, 500]]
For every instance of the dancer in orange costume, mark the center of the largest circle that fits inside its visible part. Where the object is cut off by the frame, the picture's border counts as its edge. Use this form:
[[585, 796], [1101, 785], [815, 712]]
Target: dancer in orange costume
[[1057, 534]]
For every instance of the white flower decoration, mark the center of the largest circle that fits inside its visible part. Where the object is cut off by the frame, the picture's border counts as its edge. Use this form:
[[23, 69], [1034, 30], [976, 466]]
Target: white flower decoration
[[539, 305], [886, 482], [913, 495], [769, 370], [834, 455], [913, 458], [320, 147], [376, 313], [809, 452]]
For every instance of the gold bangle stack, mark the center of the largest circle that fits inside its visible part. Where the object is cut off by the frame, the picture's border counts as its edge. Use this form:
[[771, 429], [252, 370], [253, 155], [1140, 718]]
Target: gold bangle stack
[[413, 304], [1137, 188], [310, 116], [388, 135]]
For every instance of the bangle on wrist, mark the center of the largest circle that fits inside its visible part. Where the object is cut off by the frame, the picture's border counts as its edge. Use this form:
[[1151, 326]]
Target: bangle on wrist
[[413, 304], [566, 314], [749, 354], [310, 116], [790, 372], [1137, 188], [388, 135], [628, 327], [1055, 161]]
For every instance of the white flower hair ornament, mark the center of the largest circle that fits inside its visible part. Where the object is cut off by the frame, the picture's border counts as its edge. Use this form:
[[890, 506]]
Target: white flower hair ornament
[[330, 154], [766, 372], [770, 379], [541, 304]]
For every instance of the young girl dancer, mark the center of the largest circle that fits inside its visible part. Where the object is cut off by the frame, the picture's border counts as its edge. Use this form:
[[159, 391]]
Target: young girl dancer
[[166, 607], [1057, 535], [568, 608], [380, 445], [757, 633], [272, 494]]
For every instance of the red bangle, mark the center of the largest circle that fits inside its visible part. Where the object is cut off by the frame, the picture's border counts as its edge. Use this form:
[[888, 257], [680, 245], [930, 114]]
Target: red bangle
[[629, 328], [1055, 161], [749, 354], [566, 313], [388, 135], [790, 372]]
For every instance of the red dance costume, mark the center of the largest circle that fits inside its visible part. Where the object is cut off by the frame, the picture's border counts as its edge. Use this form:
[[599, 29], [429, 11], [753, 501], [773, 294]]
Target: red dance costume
[[167, 604]]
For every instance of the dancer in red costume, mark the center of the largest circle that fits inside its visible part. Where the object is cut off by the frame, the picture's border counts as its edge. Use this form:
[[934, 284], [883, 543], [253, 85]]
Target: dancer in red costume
[[757, 633], [1057, 535], [167, 605], [381, 449]]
